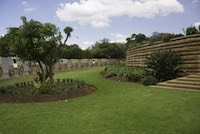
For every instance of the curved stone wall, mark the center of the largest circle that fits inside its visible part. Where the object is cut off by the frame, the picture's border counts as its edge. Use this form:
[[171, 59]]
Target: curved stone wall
[[187, 46]]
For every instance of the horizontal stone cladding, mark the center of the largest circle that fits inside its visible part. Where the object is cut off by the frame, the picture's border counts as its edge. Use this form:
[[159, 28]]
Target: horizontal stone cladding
[[187, 46]]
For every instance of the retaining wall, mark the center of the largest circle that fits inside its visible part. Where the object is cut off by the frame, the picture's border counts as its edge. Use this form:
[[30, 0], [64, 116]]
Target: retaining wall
[[187, 46]]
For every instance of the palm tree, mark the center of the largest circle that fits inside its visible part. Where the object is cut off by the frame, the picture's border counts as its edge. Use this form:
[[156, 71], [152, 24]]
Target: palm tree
[[68, 31]]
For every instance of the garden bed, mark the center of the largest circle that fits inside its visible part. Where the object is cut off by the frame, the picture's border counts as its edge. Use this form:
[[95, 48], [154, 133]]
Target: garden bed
[[86, 90], [129, 74], [44, 91]]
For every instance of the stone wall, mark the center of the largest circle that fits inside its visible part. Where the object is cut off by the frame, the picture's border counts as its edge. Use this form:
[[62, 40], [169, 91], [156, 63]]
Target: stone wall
[[187, 46], [13, 66]]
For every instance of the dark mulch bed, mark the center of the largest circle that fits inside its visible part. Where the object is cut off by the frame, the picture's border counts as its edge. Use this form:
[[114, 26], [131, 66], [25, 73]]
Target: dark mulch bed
[[86, 90]]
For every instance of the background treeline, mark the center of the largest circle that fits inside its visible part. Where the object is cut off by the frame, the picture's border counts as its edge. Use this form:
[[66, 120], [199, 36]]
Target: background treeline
[[141, 39], [103, 48]]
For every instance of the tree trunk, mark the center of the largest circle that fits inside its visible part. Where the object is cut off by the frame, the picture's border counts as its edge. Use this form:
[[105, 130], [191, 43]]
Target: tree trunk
[[51, 71], [41, 67], [42, 75], [47, 70], [66, 39]]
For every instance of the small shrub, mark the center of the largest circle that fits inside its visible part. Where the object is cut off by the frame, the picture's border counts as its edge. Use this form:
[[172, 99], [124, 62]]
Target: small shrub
[[150, 80], [123, 71], [46, 88], [166, 37], [17, 84], [70, 88], [58, 80], [71, 80], [134, 77], [67, 80], [164, 64], [64, 80], [81, 84], [3, 90]]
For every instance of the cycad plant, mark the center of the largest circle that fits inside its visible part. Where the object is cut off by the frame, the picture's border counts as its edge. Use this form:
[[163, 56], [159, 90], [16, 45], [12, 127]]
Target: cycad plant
[[164, 63]]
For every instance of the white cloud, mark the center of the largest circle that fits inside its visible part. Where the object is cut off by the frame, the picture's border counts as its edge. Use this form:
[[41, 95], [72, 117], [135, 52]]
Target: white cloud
[[29, 9], [24, 3], [88, 43], [73, 42], [2, 31], [2, 35], [197, 24], [76, 28], [1, 28], [196, 1], [118, 37], [99, 12]]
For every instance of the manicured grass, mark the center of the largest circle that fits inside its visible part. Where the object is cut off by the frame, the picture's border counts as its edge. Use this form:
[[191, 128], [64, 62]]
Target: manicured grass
[[115, 108]]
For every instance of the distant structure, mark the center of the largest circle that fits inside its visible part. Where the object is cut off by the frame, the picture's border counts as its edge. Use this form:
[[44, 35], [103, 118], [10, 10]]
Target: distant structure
[[13, 66]]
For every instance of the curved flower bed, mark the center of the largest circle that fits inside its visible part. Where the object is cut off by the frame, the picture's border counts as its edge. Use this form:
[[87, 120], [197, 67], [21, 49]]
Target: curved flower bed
[[49, 91]]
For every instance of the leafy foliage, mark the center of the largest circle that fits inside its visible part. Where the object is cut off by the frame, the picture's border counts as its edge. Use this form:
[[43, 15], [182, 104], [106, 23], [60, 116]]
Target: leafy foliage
[[164, 63], [136, 39], [150, 80], [134, 77], [105, 49], [141, 39], [68, 31], [5, 47], [131, 73], [191, 30], [162, 37], [49, 87], [71, 52], [37, 42]]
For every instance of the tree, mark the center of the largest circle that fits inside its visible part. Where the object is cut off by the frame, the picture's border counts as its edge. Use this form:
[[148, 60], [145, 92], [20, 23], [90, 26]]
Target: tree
[[76, 52], [191, 30], [37, 42], [162, 37], [86, 54], [71, 52], [136, 39], [105, 49], [4, 47], [68, 31]]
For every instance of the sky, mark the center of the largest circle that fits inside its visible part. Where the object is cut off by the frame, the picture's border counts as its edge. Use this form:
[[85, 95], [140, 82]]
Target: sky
[[93, 20]]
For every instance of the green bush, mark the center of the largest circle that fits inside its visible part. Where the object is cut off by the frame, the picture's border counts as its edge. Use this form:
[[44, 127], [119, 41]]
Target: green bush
[[134, 77], [17, 89], [167, 36], [131, 73], [164, 64], [191, 30], [150, 80], [3, 90], [48, 87]]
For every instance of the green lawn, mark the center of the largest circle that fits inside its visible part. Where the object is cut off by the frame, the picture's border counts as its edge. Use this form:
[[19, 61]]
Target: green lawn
[[115, 108]]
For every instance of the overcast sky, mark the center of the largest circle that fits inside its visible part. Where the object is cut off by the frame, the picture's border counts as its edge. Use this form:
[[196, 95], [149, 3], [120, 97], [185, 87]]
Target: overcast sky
[[93, 20]]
